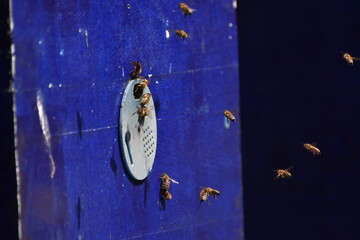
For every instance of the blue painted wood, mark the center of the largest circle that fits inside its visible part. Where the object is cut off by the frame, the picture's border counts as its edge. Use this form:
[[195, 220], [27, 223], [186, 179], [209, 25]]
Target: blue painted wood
[[71, 66]]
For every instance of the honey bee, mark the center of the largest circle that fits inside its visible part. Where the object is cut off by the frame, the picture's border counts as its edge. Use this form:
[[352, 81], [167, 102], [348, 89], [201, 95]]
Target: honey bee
[[143, 111], [208, 192], [349, 59], [283, 173], [145, 99], [312, 149], [186, 9], [181, 33], [165, 185], [138, 90], [229, 115], [137, 71]]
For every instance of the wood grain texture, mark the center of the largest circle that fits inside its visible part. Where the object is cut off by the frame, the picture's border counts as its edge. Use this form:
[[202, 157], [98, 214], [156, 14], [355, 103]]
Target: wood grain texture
[[72, 63]]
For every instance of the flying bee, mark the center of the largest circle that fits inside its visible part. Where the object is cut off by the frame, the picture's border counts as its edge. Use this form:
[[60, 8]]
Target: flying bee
[[165, 185], [229, 115], [137, 71], [139, 88], [283, 173], [143, 111], [181, 33], [312, 149], [208, 192], [145, 99], [349, 59], [186, 9]]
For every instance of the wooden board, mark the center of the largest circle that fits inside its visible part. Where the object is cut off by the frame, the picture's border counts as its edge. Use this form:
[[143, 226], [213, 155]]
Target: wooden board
[[71, 64]]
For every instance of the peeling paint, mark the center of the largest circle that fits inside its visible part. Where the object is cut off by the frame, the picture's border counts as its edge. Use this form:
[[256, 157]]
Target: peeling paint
[[45, 129], [16, 145]]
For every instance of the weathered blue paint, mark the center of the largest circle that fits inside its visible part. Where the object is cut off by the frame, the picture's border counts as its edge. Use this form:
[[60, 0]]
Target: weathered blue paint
[[71, 66]]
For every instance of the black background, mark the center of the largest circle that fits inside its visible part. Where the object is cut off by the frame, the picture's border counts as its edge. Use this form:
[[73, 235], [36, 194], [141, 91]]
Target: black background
[[296, 88], [8, 202]]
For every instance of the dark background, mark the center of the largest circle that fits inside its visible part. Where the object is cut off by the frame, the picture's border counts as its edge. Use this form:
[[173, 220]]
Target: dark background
[[296, 88], [8, 202]]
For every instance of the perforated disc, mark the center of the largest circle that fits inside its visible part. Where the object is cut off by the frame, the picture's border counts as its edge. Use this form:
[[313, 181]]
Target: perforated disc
[[138, 135]]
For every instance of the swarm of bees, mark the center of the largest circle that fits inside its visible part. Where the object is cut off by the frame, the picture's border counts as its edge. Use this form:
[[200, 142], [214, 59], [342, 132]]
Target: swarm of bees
[[165, 185], [208, 192], [349, 59], [143, 111]]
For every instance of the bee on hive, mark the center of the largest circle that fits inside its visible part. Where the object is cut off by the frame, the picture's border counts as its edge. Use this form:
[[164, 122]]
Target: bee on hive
[[186, 9], [165, 185], [139, 88], [143, 111], [208, 192], [349, 59], [283, 173], [145, 99], [137, 71], [229, 115], [312, 149]]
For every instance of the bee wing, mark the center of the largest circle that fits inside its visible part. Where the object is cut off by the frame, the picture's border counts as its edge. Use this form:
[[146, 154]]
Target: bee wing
[[290, 168], [356, 58], [149, 115], [174, 181]]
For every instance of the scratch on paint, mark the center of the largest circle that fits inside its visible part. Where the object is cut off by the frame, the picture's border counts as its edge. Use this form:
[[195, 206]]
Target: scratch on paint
[[203, 45], [45, 129], [86, 34], [86, 38]]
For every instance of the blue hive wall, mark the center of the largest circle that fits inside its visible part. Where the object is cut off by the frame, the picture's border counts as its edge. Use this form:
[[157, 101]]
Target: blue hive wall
[[71, 64]]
